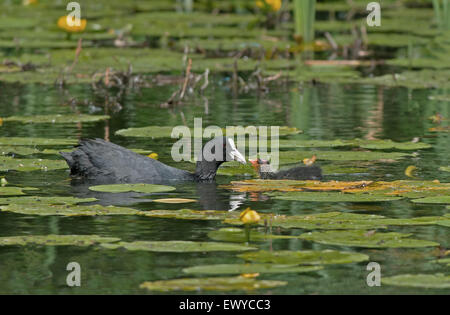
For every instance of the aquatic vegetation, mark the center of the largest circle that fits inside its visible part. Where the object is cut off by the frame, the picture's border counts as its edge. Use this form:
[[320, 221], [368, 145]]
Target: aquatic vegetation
[[56, 119], [304, 257], [438, 280], [211, 284], [237, 235], [187, 214], [304, 11], [178, 246], [62, 24], [8, 163], [30, 141], [332, 197], [56, 240], [14, 191], [141, 188], [174, 200], [42, 209], [442, 13], [20, 150], [436, 199], [249, 216], [273, 5], [290, 157], [231, 269], [43, 200], [166, 131], [362, 238]]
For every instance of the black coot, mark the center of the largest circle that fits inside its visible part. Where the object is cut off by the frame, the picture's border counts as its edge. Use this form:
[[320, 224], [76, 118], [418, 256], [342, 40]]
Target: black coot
[[312, 172], [103, 161]]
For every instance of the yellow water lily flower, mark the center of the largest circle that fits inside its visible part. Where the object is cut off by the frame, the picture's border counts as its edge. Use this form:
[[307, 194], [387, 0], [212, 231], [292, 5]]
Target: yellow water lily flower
[[249, 216], [28, 2], [274, 5], [153, 155], [410, 170], [62, 24]]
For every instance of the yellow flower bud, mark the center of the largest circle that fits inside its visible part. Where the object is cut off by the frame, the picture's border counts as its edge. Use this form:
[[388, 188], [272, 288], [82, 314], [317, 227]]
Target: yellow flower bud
[[249, 216], [153, 155], [62, 24]]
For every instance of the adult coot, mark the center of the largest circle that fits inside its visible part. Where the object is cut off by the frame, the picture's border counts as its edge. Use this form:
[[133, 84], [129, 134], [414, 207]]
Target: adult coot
[[108, 162], [312, 172]]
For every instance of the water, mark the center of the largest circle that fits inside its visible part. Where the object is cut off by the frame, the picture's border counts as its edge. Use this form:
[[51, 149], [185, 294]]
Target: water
[[321, 111]]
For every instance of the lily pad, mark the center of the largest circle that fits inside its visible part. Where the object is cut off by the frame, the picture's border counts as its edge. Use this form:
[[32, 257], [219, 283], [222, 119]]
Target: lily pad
[[211, 284], [140, 188], [187, 214], [8, 163], [367, 144], [230, 269], [166, 131], [174, 200], [178, 246], [39, 200], [238, 235], [304, 257], [20, 150], [292, 157], [68, 210], [15, 141], [56, 240], [444, 168], [14, 191], [362, 238], [56, 119], [332, 197], [438, 199], [437, 281]]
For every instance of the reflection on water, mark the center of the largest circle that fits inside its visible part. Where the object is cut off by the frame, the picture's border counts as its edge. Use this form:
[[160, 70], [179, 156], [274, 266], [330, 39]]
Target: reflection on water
[[322, 111]]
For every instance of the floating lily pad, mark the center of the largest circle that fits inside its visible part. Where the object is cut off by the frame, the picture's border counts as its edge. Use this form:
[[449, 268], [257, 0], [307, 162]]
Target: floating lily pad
[[406, 188], [444, 168], [14, 191], [166, 131], [68, 210], [187, 214], [8, 163], [56, 119], [239, 236], [437, 281], [211, 284], [293, 157], [339, 221], [332, 197], [230, 269], [15, 141], [445, 261], [260, 185], [20, 150], [438, 199], [178, 246], [140, 188], [56, 240], [304, 257], [444, 223], [362, 238], [174, 200], [39, 200], [367, 144]]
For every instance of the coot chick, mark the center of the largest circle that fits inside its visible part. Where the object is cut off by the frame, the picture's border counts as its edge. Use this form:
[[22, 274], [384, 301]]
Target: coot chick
[[312, 172], [103, 161]]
